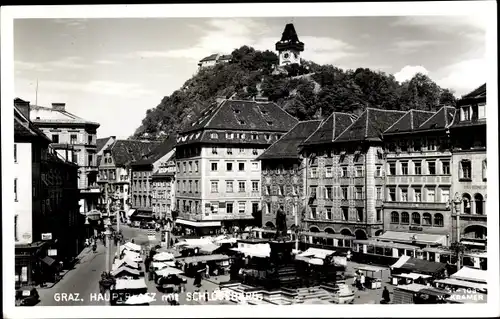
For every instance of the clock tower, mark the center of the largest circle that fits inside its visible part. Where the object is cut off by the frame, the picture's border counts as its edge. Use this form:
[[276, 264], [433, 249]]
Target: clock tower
[[289, 47]]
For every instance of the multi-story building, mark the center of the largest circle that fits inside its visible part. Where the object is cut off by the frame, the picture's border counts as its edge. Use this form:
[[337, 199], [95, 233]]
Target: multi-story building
[[115, 171], [67, 130], [46, 221], [345, 167], [468, 134], [214, 59], [142, 179], [164, 189], [283, 176], [418, 178], [102, 144], [218, 179]]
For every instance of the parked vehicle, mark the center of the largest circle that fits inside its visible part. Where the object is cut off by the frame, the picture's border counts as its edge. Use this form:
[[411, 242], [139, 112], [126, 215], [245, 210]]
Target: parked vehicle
[[27, 296]]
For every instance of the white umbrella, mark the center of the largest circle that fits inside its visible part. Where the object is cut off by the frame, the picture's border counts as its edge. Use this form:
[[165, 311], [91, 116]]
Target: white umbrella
[[163, 256], [139, 299]]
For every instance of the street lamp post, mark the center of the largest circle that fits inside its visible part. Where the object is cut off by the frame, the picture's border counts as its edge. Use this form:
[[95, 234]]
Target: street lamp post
[[455, 205], [108, 242]]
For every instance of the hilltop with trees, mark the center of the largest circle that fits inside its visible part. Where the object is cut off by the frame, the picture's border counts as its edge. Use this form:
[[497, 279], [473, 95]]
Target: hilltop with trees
[[307, 91]]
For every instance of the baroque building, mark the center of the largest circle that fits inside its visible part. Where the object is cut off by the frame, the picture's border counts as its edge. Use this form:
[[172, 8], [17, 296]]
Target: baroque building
[[469, 160], [142, 180], [218, 178], [283, 176], [115, 171], [418, 178], [68, 131], [214, 59], [163, 200], [344, 178]]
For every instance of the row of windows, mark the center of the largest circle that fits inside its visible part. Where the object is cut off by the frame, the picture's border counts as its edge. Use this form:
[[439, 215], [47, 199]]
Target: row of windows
[[416, 167], [415, 144], [344, 171], [414, 194], [253, 136], [343, 192], [214, 166], [229, 151], [188, 186], [416, 219], [142, 201], [73, 139], [214, 186], [282, 190], [473, 112], [228, 207], [465, 170], [144, 174]]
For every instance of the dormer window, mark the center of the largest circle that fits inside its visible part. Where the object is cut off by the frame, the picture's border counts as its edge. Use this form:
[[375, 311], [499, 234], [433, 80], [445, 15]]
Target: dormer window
[[269, 122], [264, 112], [242, 135], [214, 135], [229, 136], [481, 110], [242, 122], [465, 113], [268, 137], [237, 111], [254, 136]]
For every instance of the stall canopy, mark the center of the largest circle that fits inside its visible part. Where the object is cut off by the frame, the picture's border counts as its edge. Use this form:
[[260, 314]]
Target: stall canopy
[[164, 272], [208, 248], [226, 241], [412, 237], [130, 212], [124, 270], [316, 253], [132, 246], [421, 266], [163, 256], [414, 276], [125, 262], [258, 250], [369, 268], [400, 262], [124, 284], [471, 274], [204, 258], [462, 283]]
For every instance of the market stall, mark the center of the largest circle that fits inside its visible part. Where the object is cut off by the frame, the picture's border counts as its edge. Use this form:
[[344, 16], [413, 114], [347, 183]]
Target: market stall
[[373, 276], [409, 278], [124, 288], [416, 265], [125, 272]]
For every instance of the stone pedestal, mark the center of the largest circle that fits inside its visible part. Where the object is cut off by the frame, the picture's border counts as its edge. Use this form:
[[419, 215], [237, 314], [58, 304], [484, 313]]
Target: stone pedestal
[[281, 251]]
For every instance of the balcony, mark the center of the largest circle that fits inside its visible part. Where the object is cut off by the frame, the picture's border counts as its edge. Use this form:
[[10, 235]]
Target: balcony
[[417, 205], [359, 203], [419, 179], [344, 202]]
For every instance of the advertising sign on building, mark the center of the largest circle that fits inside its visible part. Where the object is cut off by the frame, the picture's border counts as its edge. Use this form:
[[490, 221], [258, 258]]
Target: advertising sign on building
[[52, 252], [46, 236]]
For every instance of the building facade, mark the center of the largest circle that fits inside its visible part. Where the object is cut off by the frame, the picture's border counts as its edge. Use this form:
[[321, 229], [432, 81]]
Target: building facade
[[469, 164], [142, 179], [283, 176], [214, 59], [115, 174], [47, 226], [289, 47], [68, 131], [344, 174], [164, 189], [218, 178], [418, 178]]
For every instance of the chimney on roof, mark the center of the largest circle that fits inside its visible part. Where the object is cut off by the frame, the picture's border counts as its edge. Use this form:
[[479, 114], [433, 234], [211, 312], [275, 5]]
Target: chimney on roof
[[23, 107], [59, 106]]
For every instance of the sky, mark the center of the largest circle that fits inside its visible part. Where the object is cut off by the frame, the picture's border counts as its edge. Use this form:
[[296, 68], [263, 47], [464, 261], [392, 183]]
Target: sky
[[112, 70]]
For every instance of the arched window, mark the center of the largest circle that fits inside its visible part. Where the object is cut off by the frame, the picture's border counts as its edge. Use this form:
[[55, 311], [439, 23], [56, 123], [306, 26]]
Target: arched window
[[405, 218], [415, 218], [395, 218], [426, 219], [478, 202], [484, 170], [466, 203], [438, 220]]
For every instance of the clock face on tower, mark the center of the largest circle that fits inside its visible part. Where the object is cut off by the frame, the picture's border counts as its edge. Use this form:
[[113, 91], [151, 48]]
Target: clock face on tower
[[286, 55]]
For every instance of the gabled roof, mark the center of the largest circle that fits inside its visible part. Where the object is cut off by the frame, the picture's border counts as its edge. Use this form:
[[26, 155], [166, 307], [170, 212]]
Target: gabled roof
[[289, 34], [370, 125], [288, 145], [409, 122], [442, 119], [41, 114], [244, 115], [158, 152], [330, 128], [101, 142], [477, 93], [125, 152]]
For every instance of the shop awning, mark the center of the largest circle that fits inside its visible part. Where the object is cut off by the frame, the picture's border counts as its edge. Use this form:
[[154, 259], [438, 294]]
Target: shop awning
[[400, 262], [208, 248], [316, 253], [471, 274], [204, 258], [131, 212], [164, 272], [125, 269], [195, 223], [422, 266], [431, 291], [413, 237], [461, 283], [48, 260], [124, 284]]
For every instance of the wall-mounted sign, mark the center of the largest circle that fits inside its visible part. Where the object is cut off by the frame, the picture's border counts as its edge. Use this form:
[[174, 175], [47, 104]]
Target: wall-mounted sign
[[416, 228], [52, 252], [47, 236]]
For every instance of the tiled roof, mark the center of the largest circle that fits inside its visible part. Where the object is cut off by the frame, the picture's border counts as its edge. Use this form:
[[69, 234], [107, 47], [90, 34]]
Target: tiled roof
[[288, 145], [289, 34], [211, 57], [330, 128], [370, 125], [101, 142], [226, 57], [158, 152], [41, 114], [23, 128], [409, 122], [244, 115], [125, 152], [479, 92], [440, 120]]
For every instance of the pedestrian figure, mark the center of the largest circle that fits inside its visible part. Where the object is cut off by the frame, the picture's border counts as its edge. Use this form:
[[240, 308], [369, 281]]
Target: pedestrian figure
[[386, 296], [206, 295], [362, 282]]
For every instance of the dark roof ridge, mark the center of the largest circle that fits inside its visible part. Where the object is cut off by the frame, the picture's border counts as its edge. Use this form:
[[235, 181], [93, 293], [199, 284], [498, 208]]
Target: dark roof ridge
[[319, 126], [442, 107], [384, 110], [289, 131], [219, 107], [349, 126]]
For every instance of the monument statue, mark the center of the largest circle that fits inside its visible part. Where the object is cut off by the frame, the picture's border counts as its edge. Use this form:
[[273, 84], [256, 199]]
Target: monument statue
[[281, 229]]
